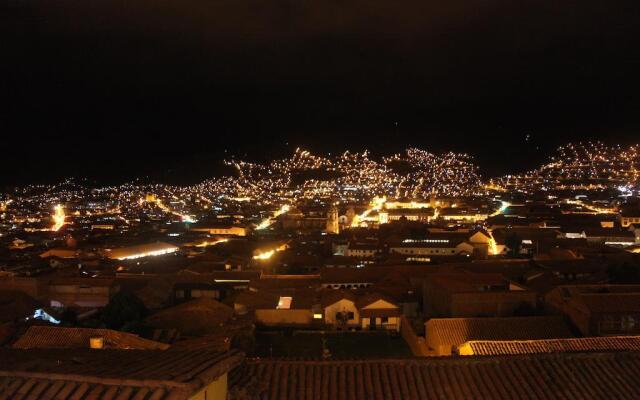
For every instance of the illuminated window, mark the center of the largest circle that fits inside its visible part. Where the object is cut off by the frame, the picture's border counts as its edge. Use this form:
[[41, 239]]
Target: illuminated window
[[284, 303]]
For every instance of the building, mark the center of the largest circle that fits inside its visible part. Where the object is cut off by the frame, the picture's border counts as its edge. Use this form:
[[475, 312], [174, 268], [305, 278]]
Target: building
[[339, 309], [343, 309], [466, 294], [607, 236], [378, 312], [184, 291], [333, 224], [284, 307], [81, 292], [83, 374], [432, 247], [223, 230], [60, 253], [50, 337], [102, 227], [140, 251], [196, 317], [16, 305], [462, 215], [630, 216], [444, 335], [599, 310], [362, 250], [352, 278], [535, 377], [570, 345], [409, 214]]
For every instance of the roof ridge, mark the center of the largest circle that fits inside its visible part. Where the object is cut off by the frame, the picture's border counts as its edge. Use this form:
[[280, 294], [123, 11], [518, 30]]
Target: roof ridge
[[97, 380], [451, 359]]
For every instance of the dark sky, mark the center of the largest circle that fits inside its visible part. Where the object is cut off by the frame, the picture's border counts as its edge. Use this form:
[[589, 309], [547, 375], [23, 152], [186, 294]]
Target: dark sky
[[114, 89]]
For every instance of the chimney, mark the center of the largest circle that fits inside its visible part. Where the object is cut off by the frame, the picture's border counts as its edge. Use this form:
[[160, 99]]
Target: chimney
[[96, 342]]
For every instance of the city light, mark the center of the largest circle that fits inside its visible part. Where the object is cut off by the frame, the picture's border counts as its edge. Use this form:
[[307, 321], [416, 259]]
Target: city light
[[269, 221], [58, 218], [375, 205], [267, 254]]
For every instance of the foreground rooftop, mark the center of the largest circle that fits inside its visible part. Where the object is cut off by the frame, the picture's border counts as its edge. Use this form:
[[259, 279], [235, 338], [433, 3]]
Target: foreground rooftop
[[110, 374], [566, 376]]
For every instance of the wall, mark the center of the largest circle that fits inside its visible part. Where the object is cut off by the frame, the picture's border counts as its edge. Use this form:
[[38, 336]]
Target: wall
[[31, 286], [442, 251], [216, 390], [91, 296], [581, 319], [490, 304], [435, 348], [436, 300], [343, 305], [392, 324], [465, 349], [416, 343], [273, 317]]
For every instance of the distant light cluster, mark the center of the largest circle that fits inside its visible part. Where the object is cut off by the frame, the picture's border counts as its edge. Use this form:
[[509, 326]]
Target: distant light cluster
[[353, 177], [589, 166], [350, 177], [259, 191]]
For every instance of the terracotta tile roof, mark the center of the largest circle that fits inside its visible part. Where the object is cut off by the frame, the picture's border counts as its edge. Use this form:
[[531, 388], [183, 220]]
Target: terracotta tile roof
[[455, 331], [566, 376], [192, 318], [214, 342], [49, 337], [611, 343], [110, 374], [20, 387], [302, 298]]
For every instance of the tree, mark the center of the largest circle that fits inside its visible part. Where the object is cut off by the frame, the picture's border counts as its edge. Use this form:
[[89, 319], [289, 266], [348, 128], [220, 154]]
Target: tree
[[525, 309], [124, 311], [514, 243], [69, 317], [624, 274]]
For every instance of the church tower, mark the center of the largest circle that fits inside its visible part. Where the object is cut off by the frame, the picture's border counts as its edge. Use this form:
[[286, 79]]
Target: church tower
[[332, 220]]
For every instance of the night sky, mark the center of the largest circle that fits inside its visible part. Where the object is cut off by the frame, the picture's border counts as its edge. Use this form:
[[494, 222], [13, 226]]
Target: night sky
[[115, 89]]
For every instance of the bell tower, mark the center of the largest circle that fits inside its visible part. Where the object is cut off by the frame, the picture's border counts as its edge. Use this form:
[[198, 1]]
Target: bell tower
[[332, 220]]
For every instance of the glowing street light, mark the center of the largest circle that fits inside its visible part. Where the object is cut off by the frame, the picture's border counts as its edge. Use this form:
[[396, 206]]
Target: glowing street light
[[58, 218]]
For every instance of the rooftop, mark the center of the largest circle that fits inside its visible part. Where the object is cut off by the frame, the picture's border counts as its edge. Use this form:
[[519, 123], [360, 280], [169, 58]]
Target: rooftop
[[506, 347], [142, 250], [587, 376], [192, 318], [49, 337], [456, 331], [110, 374]]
